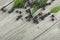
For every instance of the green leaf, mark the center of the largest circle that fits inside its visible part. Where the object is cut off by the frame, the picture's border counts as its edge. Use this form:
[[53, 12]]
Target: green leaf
[[55, 9], [35, 8], [17, 2], [41, 2]]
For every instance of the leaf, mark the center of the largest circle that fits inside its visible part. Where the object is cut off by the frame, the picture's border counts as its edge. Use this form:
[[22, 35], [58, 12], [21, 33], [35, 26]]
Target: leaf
[[41, 2], [35, 8], [17, 2], [55, 9]]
